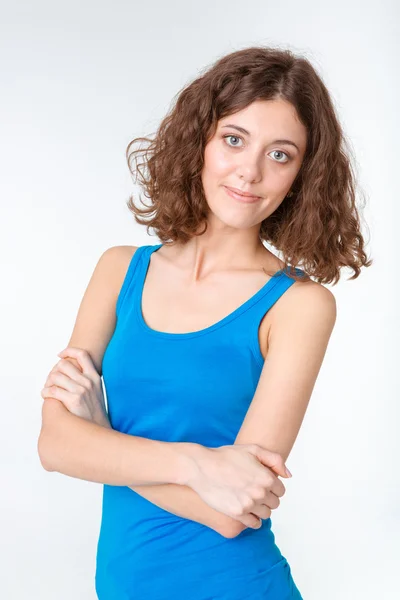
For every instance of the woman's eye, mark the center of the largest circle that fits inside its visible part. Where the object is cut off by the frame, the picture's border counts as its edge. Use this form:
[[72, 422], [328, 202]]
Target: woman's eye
[[235, 145], [284, 154], [232, 136]]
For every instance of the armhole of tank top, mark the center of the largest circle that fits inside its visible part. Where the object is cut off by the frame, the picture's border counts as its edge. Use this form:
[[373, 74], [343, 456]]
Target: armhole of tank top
[[255, 344], [127, 280]]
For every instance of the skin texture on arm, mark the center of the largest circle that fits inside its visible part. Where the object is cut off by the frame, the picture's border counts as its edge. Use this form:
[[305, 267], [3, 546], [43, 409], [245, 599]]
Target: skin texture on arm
[[93, 329], [300, 330], [184, 502], [80, 448]]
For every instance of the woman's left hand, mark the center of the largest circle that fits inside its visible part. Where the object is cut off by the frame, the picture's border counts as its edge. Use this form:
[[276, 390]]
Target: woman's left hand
[[77, 387]]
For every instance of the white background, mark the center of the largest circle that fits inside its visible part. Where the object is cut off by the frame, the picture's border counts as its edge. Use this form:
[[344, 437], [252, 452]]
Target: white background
[[78, 82]]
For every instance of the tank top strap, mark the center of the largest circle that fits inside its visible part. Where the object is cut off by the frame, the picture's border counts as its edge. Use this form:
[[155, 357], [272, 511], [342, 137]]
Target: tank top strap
[[239, 329], [133, 280], [245, 329]]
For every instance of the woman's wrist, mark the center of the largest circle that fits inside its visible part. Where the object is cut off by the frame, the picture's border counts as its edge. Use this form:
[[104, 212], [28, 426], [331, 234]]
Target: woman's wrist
[[188, 453], [101, 418]]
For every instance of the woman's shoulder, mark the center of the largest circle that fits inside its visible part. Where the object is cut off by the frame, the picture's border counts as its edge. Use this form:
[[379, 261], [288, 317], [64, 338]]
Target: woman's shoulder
[[119, 257], [120, 252], [305, 296], [115, 262]]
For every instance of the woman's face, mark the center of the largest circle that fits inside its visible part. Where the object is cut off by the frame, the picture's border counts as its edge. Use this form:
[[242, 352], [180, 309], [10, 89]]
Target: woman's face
[[253, 161]]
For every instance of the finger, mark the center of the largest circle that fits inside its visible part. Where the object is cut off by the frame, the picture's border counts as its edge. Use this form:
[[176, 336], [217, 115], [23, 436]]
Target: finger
[[271, 483], [68, 368], [273, 460], [250, 520], [83, 357], [270, 500], [55, 392], [62, 381], [273, 501], [261, 511], [277, 488]]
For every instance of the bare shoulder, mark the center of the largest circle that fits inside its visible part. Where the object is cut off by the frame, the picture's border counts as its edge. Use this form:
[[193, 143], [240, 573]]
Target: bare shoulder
[[96, 318], [305, 303], [310, 292], [117, 258]]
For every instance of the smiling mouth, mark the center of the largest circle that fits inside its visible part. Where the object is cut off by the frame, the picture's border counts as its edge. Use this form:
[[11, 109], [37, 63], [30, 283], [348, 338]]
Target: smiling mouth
[[241, 197]]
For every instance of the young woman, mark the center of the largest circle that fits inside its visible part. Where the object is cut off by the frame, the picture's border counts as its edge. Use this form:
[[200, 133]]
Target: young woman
[[209, 345]]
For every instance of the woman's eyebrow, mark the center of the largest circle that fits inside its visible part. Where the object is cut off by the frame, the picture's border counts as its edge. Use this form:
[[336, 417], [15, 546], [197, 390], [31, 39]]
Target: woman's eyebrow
[[242, 130]]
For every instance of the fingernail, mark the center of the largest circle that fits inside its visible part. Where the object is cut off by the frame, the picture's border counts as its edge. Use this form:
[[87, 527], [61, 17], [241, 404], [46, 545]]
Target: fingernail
[[288, 472]]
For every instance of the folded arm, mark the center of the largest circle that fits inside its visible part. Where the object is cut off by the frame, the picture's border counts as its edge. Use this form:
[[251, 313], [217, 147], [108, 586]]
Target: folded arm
[[299, 334], [301, 326], [86, 450], [300, 330], [95, 452]]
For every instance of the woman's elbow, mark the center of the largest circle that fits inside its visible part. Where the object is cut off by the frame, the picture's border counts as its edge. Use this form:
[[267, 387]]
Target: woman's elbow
[[233, 529], [50, 415], [43, 452]]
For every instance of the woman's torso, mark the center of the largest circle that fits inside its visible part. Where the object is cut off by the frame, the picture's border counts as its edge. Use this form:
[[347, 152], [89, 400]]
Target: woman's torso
[[193, 385]]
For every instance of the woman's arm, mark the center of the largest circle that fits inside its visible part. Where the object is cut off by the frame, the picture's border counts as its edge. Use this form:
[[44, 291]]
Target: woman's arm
[[179, 500], [80, 448], [59, 440], [95, 452], [301, 327], [184, 502]]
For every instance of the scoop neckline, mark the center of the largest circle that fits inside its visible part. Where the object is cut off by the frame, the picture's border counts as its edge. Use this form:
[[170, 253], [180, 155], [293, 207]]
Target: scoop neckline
[[148, 251]]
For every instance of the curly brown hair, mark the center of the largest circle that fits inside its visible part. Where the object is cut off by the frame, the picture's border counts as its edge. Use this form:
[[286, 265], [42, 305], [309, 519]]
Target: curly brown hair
[[319, 225]]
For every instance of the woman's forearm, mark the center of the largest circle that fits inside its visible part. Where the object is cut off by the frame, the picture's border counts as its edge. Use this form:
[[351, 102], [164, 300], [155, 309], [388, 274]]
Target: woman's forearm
[[80, 448], [184, 502], [95, 452]]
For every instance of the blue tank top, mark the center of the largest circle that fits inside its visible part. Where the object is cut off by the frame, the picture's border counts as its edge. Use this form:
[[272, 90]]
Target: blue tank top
[[183, 387]]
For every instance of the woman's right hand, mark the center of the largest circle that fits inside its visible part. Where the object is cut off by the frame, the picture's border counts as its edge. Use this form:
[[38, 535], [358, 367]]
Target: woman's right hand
[[239, 481]]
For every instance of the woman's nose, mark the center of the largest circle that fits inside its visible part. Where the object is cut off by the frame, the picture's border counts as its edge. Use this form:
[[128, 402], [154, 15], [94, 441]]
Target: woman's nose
[[250, 170]]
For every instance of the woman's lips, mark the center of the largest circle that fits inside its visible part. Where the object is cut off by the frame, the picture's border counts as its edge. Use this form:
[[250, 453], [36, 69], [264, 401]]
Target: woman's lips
[[245, 199]]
